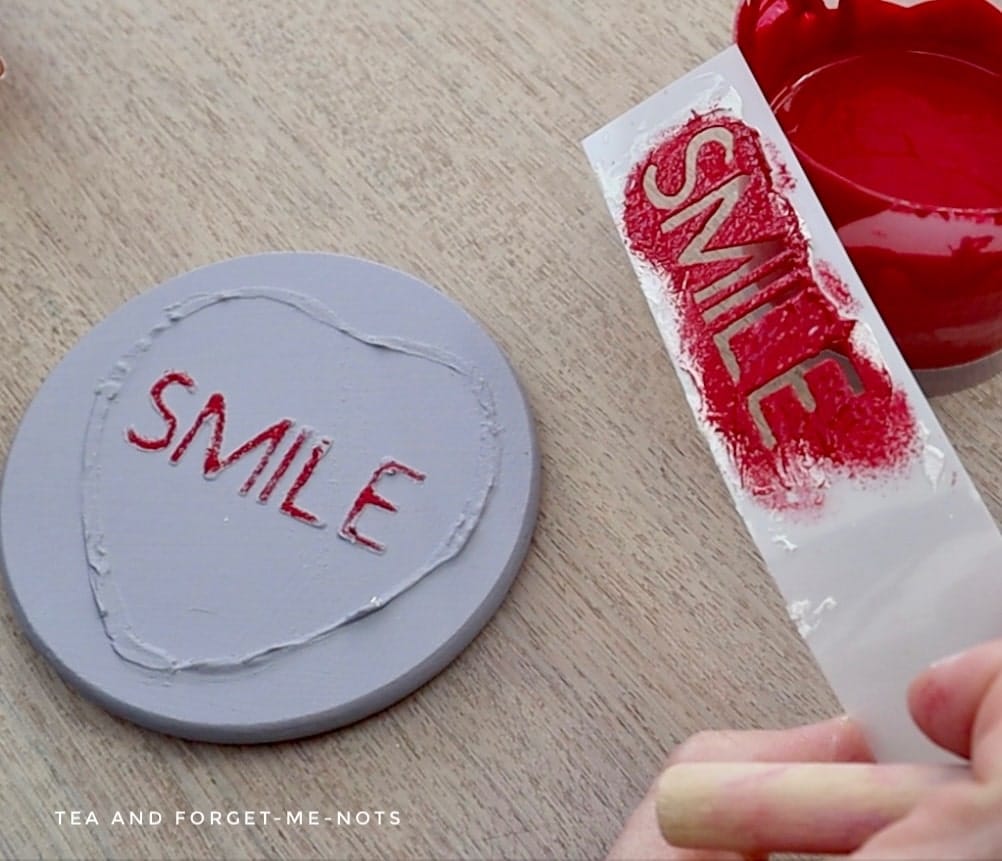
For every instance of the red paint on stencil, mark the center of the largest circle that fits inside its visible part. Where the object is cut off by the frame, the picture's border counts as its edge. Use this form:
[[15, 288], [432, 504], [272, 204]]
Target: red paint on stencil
[[768, 336], [836, 288], [895, 113]]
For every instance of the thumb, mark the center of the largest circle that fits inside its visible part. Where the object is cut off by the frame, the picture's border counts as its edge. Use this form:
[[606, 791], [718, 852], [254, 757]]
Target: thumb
[[958, 704]]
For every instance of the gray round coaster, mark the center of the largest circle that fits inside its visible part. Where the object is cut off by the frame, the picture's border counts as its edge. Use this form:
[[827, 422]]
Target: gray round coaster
[[268, 498]]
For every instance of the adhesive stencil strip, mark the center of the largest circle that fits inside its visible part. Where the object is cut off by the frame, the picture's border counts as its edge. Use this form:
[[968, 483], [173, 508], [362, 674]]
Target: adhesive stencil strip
[[857, 502]]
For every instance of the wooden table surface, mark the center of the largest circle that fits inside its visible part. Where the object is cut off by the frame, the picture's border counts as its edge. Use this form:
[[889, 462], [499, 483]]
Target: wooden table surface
[[142, 139]]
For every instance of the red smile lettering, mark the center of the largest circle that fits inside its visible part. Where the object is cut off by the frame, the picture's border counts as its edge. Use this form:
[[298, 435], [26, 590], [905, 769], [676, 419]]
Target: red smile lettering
[[778, 363]]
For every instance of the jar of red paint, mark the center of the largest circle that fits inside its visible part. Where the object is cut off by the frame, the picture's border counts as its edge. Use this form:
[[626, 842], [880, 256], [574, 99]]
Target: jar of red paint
[[895, 111]]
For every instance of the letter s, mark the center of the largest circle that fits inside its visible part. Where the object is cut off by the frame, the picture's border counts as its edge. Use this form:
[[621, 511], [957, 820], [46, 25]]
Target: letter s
[[156, 395]]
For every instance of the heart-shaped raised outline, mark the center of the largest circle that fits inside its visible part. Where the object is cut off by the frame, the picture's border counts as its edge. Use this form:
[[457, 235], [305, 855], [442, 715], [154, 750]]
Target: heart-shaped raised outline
[[107, 596]]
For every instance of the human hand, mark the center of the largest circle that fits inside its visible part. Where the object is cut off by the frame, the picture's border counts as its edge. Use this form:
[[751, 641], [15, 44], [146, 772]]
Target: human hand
[[957, 703]]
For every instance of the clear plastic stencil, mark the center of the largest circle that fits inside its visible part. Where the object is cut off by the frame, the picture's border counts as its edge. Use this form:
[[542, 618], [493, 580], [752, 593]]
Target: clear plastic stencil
[[856, 500]]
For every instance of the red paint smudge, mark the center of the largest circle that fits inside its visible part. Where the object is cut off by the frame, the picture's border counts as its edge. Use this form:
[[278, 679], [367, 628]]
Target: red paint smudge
[[782, 177], [771, 349], [836, 288], [896, 116]]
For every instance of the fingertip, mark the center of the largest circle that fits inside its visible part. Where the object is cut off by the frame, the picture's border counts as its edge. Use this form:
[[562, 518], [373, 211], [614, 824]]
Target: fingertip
[[849, 743], [835, 740], [937, 711], [945, 699]]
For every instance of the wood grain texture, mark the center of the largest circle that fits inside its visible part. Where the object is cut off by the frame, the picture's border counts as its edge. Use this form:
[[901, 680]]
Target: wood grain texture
[[140, 139]]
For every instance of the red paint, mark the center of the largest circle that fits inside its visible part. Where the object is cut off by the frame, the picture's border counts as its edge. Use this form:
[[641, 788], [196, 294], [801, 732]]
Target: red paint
[[171, 378], [215, 410], [289, 503], [896, 115], [283, 467], [271, 438], [768, 335], [367, 497]]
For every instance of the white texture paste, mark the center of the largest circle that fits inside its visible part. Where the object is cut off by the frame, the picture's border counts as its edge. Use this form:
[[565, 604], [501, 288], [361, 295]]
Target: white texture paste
[[107, 596], [933, 461], [784, 542], [807, 618]]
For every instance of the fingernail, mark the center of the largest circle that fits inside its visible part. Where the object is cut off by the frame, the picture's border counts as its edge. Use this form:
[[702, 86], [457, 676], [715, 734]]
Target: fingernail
[[948, 660]]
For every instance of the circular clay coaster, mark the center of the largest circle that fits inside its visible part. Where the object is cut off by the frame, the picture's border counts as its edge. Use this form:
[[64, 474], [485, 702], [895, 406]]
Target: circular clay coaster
[[268, 498]]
